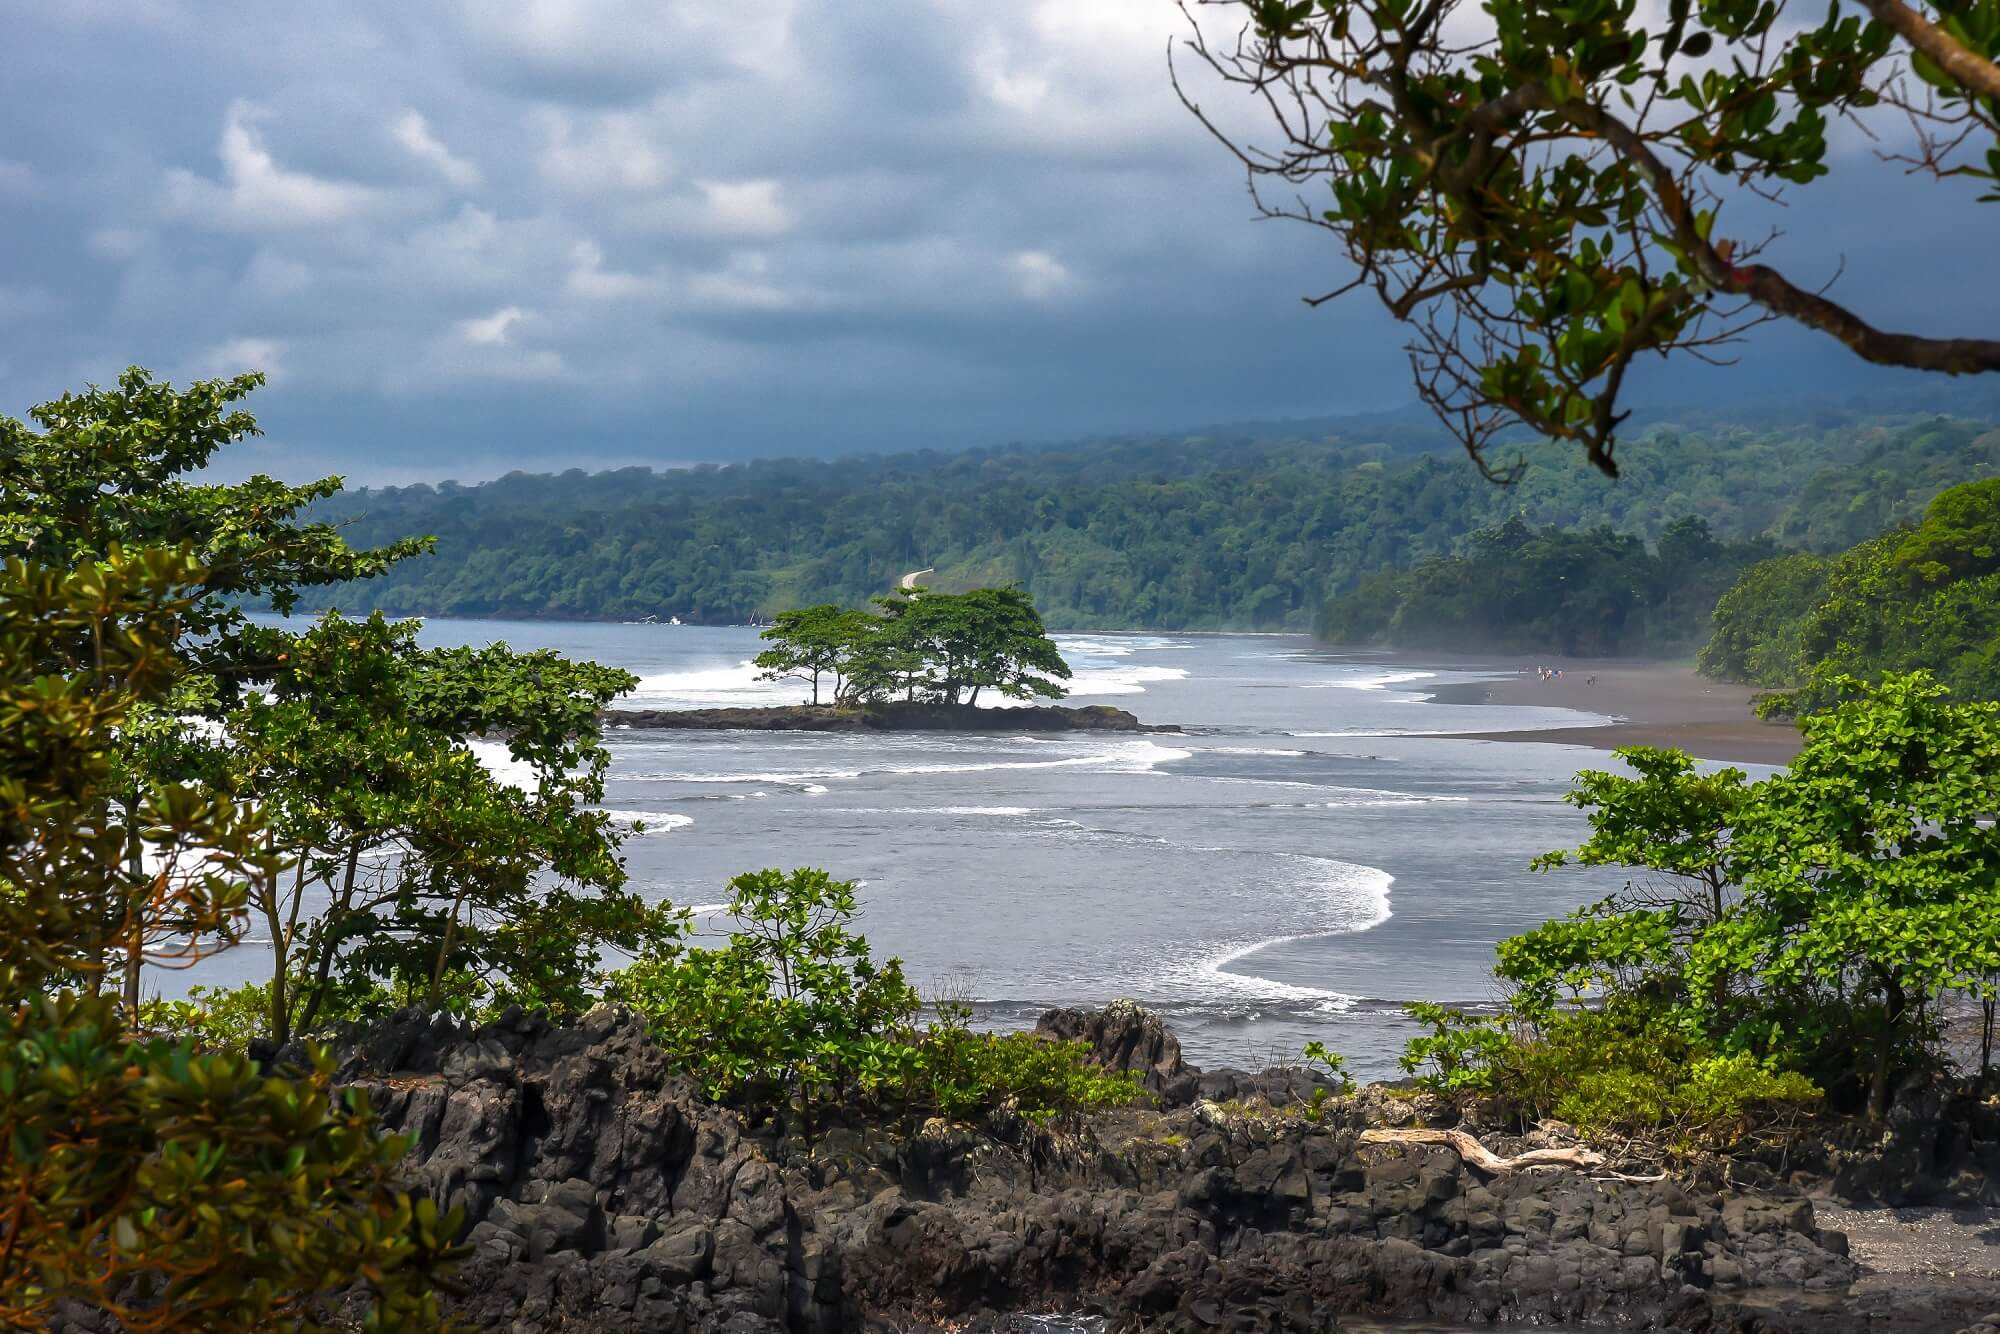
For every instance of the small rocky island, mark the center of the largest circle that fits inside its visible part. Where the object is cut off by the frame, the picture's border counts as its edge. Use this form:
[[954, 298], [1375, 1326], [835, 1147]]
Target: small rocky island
[[897, 716]]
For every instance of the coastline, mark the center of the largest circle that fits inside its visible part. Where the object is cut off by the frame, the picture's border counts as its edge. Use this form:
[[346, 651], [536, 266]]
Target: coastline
[[1656, 704]]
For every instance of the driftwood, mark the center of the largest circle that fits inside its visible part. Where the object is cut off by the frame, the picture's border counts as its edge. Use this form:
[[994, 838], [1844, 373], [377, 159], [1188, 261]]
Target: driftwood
[[1481, 1157]]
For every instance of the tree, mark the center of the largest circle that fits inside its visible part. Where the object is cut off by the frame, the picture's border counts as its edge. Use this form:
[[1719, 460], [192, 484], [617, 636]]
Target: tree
[[1539, 192], [1811, 918], [795, 1001], [1871, 866], [810, 643], [111, 468], [167, 1186], [1926, 596], [988, 637], [441, 884]]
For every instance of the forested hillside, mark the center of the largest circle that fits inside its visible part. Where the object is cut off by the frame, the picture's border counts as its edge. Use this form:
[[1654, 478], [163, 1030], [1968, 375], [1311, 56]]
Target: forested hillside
[[1229, 530], [1595, 593], [1924, 595]]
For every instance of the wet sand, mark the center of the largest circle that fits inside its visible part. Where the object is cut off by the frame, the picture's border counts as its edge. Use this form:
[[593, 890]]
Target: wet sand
[[1657, 704]]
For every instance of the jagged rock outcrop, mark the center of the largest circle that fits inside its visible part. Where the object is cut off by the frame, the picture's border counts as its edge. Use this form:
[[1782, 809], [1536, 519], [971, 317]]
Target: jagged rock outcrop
[[603, 1193]]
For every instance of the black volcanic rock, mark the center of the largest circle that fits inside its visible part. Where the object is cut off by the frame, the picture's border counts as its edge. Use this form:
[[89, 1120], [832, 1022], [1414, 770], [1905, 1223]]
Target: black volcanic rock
[[603, 1192], [894, 717]]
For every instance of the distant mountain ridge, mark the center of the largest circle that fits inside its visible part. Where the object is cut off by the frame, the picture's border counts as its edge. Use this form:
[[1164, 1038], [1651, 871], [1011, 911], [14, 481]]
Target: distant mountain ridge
[[1251, 530]]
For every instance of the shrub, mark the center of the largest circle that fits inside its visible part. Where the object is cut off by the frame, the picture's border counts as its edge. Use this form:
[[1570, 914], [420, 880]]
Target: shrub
[[1335, 1065], [963, 1074], [793, 1005], [1460, 1052], [1621, 1069]]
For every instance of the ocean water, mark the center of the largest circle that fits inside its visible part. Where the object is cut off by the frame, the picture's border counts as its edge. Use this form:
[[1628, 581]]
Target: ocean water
[[1305, 858]]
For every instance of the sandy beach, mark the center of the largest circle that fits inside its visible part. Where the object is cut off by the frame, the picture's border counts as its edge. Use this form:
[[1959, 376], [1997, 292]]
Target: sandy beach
[[1658, 704]]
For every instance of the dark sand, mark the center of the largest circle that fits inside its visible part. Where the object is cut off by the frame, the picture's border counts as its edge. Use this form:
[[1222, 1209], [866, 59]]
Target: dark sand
[[1657, 705]]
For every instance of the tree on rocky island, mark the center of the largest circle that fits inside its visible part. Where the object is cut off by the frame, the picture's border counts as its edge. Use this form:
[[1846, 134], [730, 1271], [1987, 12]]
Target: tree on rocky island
[[988, 638], [1538, 190], [921, 645], [811, 643]]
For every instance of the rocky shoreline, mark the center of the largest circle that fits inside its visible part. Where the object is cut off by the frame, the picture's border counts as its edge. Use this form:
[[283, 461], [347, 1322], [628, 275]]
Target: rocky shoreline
[[602, 1192], [892, 717]]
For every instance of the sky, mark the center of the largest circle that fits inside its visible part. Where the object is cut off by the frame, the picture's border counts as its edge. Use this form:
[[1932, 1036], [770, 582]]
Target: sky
[[467, 236]]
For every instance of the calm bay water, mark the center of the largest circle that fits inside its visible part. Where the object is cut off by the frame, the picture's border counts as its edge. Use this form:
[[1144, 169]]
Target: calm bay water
[[1300, 862]]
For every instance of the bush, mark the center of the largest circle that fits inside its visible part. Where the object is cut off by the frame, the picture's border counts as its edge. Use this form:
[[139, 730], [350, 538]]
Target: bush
[[794, 1005], [227, 1017], [1460, 1052], [963, 1074], [1335, 1065], [1622, 1070]]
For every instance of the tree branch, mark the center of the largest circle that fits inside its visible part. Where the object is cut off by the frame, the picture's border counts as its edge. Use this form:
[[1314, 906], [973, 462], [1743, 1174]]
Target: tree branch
[[1967, 68], [1771, 289]]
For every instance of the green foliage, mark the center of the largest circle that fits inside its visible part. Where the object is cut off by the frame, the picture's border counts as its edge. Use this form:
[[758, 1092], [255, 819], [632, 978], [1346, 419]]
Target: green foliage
[[163, 1184], [225, 1017], [1228, 530], [1621, 1070], [963, 1074], [1459, 1053], [793, 1005], [1924, 597], [794, 1010], [434, 869], [1582, 594], [1810, 918], [1330, 1061], [923, 646], [1549, 193], [813, 642]]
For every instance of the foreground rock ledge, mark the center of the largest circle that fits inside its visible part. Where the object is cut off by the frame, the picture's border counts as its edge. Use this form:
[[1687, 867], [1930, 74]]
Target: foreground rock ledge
[[603, 1193], [896, 717]]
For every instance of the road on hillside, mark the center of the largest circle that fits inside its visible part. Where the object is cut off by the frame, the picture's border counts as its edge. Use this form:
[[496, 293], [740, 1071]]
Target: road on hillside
[[910, 579]]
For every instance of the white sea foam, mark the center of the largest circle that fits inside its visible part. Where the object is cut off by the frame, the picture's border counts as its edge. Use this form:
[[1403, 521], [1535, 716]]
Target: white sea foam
[[656, 822], [1350, 898], [735, 685], [739, 685], [1335, 796], [1125, 757], [1380, 681], [999, 811], [502, 765]]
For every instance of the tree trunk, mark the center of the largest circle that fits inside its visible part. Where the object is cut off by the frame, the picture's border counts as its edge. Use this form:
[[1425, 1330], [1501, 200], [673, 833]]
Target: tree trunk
[[1894, 1004], [1986, 1008], [135, 959], [444, 946], [335, 918]]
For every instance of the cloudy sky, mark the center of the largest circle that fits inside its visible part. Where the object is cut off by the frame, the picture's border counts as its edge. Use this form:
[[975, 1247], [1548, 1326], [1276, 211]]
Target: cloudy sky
[[469, 235]]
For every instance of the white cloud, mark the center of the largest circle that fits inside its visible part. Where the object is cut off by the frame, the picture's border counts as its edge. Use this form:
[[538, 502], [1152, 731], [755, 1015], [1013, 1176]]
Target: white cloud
[[234, 356], [255, 192], [1040, 276], [413, 132], [744, 208], [491, 330], [599, 154]]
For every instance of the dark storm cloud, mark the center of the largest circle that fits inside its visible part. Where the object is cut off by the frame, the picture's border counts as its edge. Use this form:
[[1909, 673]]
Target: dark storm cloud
[[468, 236]]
